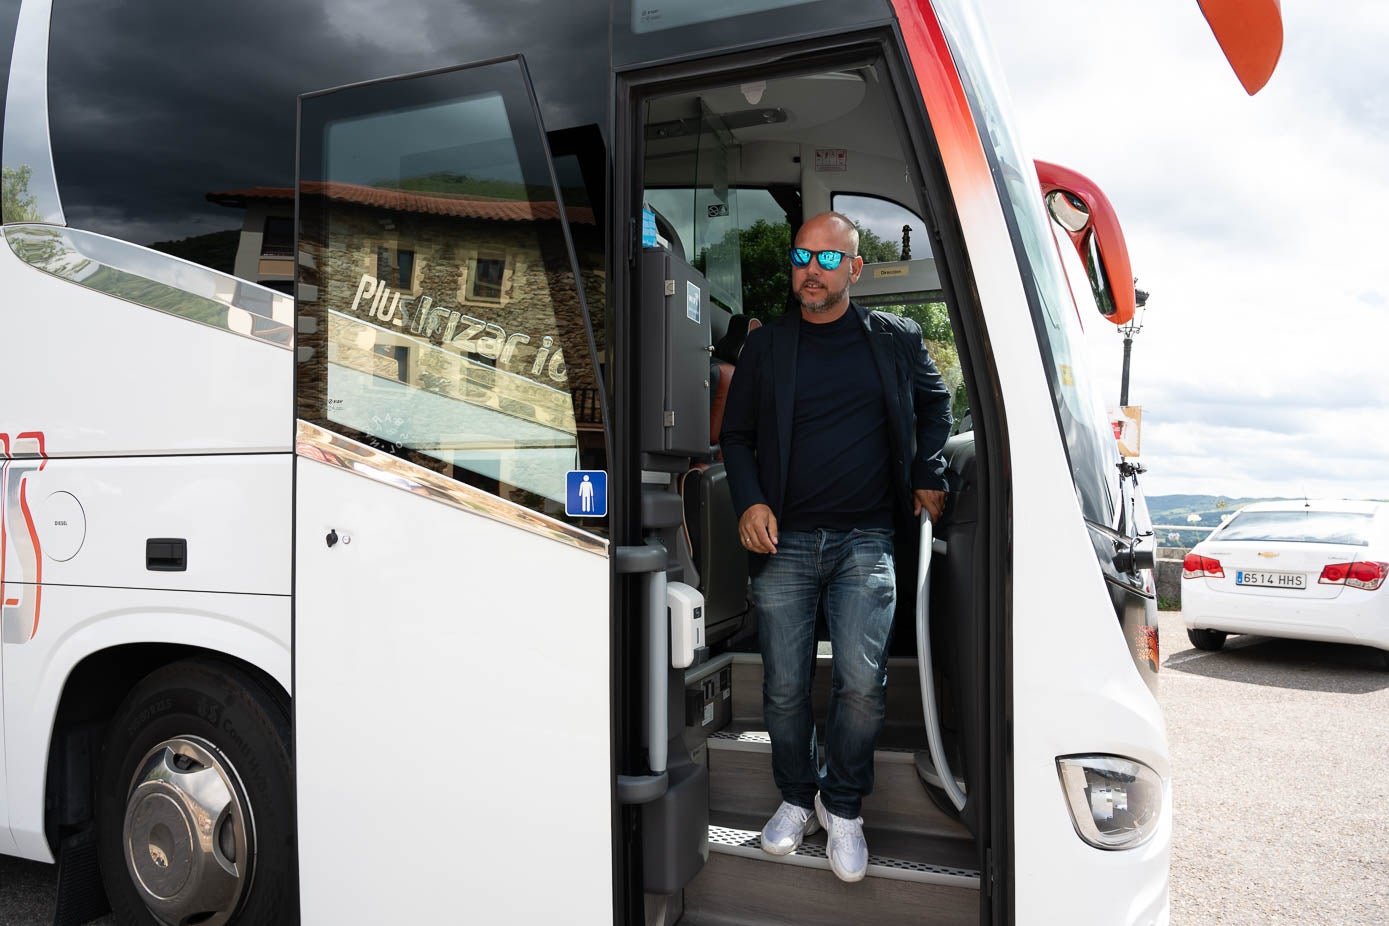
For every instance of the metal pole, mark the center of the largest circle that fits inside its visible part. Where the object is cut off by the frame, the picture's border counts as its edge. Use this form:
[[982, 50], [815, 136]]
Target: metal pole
[[1124, 382]]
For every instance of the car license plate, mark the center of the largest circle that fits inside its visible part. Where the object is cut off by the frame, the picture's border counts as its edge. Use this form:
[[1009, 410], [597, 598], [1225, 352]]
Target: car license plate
[[1271, 579]]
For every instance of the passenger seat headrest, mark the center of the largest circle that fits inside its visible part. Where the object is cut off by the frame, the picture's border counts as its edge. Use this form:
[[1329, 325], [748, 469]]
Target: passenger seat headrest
[[731, 344]]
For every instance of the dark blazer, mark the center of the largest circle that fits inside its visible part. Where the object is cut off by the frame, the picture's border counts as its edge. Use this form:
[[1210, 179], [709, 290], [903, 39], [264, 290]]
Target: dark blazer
[[756, 435]]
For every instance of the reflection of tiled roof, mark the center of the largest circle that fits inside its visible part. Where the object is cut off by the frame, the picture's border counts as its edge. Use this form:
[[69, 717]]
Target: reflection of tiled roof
[[445, 204]]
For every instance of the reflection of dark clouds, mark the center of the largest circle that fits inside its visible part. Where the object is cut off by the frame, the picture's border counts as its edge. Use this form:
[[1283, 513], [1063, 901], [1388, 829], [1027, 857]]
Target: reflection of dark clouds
[[154, 105]]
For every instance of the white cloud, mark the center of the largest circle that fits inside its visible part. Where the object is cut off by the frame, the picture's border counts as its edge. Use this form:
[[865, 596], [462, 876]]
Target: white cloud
[[1258, 226]]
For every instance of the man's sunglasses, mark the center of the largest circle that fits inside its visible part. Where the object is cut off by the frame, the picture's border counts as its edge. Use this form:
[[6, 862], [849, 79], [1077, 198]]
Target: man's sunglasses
[[830, 260]]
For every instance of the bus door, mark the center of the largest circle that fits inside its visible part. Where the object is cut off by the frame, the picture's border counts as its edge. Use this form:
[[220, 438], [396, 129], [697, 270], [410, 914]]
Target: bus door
[[451, 637]]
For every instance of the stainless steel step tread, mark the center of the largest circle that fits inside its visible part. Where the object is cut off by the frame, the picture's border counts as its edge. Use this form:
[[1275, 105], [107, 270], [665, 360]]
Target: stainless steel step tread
[[736, 834]]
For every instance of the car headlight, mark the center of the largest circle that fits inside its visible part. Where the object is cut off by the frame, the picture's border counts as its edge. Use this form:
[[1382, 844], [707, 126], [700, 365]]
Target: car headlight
[[1115, 803]]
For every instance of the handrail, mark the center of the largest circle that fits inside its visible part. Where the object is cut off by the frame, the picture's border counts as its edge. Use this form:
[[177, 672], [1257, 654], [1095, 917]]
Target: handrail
[[925, 673], [650, 560]]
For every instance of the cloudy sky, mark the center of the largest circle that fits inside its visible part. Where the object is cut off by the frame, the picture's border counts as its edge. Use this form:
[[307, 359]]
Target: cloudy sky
[[1258, 224]]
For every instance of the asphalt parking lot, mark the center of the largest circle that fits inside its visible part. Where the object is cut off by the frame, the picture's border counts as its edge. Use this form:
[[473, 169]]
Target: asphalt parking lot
[[1280, 756], [1281, 781]]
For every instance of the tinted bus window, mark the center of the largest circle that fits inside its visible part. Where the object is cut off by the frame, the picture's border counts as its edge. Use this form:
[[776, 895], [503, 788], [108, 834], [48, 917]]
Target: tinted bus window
[[173, 123], [643, 30], [440, 309], [14, 192]]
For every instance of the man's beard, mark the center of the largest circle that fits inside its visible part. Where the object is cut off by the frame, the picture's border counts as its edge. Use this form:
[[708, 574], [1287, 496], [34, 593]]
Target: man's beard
[[820, 306]]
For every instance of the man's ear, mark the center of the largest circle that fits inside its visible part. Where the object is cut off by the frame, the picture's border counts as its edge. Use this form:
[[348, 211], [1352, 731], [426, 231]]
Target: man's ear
[[855, 269]]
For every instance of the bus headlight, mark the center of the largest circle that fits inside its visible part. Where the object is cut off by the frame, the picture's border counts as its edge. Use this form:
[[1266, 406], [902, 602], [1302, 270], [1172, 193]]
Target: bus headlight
[[1115, 803]]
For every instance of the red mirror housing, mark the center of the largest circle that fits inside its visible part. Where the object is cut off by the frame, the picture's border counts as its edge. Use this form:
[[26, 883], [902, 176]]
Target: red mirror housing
[[1250, 32], [1100, 242]]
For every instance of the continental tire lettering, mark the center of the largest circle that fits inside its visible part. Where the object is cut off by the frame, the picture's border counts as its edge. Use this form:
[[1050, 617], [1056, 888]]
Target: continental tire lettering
[[209, 710], [152, 710]]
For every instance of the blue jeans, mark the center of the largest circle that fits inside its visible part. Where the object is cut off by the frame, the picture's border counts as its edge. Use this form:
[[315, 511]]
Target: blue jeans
[[852, 571]]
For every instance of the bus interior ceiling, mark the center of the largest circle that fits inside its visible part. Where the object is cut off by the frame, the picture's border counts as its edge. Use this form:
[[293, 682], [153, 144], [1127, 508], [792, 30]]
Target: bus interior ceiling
[[730, 172]]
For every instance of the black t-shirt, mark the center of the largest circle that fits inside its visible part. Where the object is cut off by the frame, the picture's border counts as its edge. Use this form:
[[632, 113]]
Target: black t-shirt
[[840, 472]]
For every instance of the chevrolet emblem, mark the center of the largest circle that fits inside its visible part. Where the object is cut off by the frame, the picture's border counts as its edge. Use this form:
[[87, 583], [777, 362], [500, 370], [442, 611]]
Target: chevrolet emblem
[[1268, 555]]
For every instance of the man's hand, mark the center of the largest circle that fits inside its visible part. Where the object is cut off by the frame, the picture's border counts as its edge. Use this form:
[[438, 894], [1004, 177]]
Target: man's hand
[[757, 528], [933, 500]]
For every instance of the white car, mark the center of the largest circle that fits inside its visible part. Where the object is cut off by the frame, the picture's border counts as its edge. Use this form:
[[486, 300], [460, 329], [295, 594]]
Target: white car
[[1308, 570]]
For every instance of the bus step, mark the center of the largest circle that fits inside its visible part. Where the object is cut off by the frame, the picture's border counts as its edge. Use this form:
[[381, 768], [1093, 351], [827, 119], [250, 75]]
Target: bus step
[[741, 884], [740, 776], [904, 719]]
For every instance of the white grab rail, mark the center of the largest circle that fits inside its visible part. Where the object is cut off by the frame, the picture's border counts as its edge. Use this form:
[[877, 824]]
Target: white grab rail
[[925, 674]]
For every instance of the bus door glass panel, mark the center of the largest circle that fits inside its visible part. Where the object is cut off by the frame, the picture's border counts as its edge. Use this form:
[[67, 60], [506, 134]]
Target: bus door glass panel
[[646, 31], [440, 315], [716, 237]]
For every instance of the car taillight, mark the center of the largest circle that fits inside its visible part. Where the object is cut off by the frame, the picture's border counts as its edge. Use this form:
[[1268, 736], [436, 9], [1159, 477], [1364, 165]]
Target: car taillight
[[1195, 566], [1360, 574]]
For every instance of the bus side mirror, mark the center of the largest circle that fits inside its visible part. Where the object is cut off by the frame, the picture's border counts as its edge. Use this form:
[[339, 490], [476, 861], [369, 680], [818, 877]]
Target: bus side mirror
[[1082, 209]]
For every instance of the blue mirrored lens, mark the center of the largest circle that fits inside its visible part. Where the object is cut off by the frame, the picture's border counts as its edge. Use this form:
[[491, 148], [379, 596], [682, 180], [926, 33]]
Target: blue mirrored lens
[[800, 257]]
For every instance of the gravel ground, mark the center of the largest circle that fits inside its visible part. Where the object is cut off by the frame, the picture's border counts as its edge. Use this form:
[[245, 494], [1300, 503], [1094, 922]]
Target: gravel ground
[[1281, 781], [1281, 788]]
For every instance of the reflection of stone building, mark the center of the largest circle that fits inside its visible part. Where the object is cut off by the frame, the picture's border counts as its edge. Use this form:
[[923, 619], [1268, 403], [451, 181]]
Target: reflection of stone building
[[265, 251], [469, 275], [467, 302]]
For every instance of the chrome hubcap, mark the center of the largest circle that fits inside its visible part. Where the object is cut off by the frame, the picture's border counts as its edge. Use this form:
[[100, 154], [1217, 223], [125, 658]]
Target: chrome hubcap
[[189, 837]]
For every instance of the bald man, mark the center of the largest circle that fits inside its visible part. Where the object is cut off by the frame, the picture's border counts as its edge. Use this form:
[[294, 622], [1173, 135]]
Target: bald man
[[832, 437]]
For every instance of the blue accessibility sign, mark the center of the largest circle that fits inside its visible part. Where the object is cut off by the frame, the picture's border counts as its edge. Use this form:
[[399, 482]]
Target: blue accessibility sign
[[586, 493]]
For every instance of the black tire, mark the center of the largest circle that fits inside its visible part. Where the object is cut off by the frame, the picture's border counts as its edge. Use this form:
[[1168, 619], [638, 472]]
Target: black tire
[[1211, 640], [241, 720]]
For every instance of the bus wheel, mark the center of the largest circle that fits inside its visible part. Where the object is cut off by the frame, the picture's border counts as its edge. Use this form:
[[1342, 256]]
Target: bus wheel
[[1207, 639], [195, 809]]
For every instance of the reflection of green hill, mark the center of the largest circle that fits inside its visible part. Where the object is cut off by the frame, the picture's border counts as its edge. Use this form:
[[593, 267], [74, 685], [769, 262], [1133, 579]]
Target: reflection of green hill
[[158, 296], [215, 249]]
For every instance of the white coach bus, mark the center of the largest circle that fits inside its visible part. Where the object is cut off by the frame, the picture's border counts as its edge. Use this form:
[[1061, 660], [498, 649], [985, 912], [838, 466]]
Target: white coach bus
[[366, 556]]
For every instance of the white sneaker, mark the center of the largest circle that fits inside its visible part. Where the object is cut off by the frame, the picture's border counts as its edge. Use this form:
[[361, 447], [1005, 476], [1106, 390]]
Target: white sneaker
[[845, 845], [787, 827]]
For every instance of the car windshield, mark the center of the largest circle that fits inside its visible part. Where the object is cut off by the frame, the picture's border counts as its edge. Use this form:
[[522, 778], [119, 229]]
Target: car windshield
[[1348, 527]]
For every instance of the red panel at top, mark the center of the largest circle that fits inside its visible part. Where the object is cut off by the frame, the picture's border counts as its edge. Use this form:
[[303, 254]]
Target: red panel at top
[[1250, 32]]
